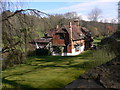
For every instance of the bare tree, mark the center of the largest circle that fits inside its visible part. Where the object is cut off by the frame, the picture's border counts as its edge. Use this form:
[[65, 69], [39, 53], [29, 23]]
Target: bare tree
[[72, 15], [95, 14], [113, 21]]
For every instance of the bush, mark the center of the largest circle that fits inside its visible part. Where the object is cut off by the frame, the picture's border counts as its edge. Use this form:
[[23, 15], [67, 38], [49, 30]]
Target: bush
[[13, 58], [31, 53], [102, 55], [108, 40], [42, 52], [110, 45], [58, 49], [116, 34]]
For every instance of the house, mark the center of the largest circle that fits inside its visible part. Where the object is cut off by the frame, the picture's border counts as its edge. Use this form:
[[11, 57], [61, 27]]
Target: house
[[68, 40]]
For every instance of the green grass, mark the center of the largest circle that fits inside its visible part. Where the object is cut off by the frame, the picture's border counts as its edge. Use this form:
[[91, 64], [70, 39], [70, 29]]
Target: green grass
[[96, 41], [51, 71]]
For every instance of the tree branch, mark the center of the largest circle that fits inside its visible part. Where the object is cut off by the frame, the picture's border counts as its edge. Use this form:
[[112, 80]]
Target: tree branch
[[8, 47], [18, 11]]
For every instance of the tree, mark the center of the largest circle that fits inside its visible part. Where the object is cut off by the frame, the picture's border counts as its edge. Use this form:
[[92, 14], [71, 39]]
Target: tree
[[95, 14], [57, 19], [19, 28], [72, 15]]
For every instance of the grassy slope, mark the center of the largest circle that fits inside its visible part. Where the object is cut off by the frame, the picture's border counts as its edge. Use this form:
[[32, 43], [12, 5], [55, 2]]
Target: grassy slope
[[46, 72], [52, 71]]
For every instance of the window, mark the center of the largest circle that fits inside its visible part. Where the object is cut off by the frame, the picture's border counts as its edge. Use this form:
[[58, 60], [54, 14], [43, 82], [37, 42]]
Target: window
[[81, 44], [77, 48]]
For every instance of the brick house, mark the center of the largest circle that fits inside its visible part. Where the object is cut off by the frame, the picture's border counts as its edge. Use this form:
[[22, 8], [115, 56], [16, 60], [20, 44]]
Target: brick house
[[71, 39]]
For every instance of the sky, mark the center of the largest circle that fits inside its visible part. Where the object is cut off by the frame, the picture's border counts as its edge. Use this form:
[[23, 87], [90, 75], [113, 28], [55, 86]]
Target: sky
[[82, 7]]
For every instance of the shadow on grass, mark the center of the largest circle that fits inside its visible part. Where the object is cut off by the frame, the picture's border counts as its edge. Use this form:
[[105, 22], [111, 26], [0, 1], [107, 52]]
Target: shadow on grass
[[85, 65], [15, 85], [52, 58], [19, 74], [61, 58]]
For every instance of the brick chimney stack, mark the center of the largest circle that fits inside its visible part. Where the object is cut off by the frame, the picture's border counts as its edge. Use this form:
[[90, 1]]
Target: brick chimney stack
[[76, 21], [57, 27], [70, 28]]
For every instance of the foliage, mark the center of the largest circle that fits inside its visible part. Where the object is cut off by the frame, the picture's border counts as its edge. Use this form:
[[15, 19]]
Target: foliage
[[102, 56], [58, 49], [18, 30], [42, 52], [111, 45], [100, 28], [116, 35], [15, 57], [72, 15]]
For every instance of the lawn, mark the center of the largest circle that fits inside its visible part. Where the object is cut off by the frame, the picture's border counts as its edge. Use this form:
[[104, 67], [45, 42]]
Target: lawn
[[97, 40], [49, 71], [46, 71]]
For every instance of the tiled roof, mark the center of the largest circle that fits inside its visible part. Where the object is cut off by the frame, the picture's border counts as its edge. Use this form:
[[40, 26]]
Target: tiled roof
[[43, 40], [51, 32], [76, 32], [59, 45], [83, 29]]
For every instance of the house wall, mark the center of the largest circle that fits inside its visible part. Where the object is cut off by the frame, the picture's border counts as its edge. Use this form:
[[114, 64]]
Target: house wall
[[71, 54], [57, 40], [72, 50], [70, 47]]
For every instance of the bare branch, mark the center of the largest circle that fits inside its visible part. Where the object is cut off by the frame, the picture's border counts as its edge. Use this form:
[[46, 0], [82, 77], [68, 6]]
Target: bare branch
[[18, 11], [95, 14]]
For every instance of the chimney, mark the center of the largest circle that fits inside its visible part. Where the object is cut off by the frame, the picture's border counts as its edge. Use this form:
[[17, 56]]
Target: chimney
[[71, 42], [76, 21], [57, 26], [70, 28]]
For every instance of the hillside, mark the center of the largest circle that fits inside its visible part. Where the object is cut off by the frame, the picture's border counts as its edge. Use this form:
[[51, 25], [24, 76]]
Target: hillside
[[106, 75]]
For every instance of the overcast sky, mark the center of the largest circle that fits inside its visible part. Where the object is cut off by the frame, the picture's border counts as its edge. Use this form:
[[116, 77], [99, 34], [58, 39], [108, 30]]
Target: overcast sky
[[82, 7]]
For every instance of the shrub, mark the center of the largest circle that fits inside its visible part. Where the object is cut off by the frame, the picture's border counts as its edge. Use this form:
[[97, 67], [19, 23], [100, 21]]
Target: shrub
[[108, 40], [110, 45], [13, 58], [58, 49], [116, 34], [102, 55], [42, 52]]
